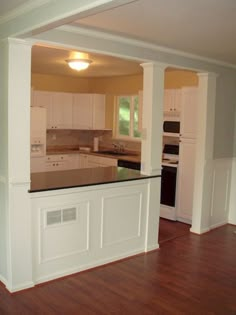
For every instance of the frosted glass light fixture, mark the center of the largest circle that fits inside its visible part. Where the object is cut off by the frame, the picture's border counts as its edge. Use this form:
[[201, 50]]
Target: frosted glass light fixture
[[78, 64]]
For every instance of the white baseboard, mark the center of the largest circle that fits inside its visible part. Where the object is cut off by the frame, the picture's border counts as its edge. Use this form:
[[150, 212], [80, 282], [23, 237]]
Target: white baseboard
[[168, 212], [150, 248], [20, 287], [3, 280], [184, 220], [218, 225], [199, 232], [98, 263]]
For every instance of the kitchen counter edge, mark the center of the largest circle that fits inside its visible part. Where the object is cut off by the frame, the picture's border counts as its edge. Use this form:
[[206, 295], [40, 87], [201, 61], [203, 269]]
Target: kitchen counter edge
[[56, 180]]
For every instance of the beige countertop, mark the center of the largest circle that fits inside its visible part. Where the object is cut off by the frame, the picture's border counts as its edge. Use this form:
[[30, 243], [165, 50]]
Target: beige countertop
[[129, 156]]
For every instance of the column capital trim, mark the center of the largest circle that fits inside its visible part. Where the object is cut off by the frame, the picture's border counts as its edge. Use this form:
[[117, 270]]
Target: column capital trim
[[207, 74], [18, 41], [160, 65]]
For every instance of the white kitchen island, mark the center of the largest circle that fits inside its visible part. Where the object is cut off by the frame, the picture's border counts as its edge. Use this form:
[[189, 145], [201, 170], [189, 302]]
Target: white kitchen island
[[86, 218]]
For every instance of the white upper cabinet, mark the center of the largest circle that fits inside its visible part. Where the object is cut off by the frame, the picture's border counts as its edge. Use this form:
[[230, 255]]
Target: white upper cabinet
[[72, 111], [82, 111], [89, 111], [172, 101], [189, 113], [98, 101], [61, 111]]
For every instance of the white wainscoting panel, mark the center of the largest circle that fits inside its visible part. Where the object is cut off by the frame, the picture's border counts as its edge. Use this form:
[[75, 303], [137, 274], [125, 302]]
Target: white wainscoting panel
[[221, 182], [121, 218], [81, 228], [64, 237]]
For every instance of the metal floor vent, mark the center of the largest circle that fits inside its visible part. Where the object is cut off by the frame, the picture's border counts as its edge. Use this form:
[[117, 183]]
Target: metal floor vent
[[61, 216]]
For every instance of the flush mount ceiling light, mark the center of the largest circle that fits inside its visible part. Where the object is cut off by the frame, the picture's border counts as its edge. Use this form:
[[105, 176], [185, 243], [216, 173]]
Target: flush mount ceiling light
[[78, 64]]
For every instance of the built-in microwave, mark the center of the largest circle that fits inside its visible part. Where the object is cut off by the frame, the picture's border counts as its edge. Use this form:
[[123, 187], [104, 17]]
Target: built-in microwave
[[171, 127]]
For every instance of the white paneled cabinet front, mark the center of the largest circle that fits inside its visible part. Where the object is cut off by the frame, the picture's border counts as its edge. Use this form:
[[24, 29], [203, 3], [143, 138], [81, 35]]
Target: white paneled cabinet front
[[72, 111], [87, 161], [189, 113], [82, 111], [186, 170], [84, 228], [89, 111], [172, 101], [37, 164], [61, 111]]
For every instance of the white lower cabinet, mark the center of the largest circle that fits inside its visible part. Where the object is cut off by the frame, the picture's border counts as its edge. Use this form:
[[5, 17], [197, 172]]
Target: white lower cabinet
[[37, 164], [87, 161], [60, 162]]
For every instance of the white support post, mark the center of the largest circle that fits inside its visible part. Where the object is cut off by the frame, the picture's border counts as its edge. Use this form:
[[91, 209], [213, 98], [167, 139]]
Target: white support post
[[153, 98], [204, 153], [18, 205], [152, 130]]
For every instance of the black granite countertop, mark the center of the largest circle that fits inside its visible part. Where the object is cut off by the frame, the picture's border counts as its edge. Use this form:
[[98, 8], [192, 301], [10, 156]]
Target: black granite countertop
[[83, 177]]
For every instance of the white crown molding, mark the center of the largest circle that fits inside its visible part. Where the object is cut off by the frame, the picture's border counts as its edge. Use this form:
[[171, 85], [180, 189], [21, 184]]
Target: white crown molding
[[135, 42], [21, 9]]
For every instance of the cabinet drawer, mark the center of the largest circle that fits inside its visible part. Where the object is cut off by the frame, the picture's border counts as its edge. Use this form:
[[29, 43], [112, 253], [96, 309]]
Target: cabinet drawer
[[56, 158], [55, 166]]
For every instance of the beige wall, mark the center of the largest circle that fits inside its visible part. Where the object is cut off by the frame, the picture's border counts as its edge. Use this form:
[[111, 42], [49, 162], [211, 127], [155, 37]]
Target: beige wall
[[117, 85], [176, 79], [58, 83]]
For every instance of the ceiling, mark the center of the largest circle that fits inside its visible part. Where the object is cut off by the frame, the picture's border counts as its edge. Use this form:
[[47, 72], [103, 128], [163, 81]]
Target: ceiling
[[205, 28], [201, 27], [48, 60]]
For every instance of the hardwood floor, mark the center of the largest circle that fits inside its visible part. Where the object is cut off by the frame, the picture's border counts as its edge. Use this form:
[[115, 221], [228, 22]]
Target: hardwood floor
[[190, 274], [169, 230]]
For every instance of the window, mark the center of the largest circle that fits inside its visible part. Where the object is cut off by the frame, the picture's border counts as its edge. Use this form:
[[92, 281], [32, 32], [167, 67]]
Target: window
[[128, 118]]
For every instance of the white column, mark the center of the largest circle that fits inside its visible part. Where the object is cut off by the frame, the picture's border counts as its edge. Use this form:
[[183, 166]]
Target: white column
[[3, 160], [152, 120], [204, 153], [18, 205], [152, 130]]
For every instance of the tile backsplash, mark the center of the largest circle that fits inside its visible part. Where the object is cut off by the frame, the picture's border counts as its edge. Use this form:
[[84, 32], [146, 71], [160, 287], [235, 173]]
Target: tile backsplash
[[76, 138]]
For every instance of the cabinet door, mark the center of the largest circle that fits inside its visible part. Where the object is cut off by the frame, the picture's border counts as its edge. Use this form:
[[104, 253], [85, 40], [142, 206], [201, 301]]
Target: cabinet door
[[177, 100], [38, 123], [189, 112], [98, 101], [167, 100], [41, 98], [82, 111], [172, 101], [186, 180], [62, 110], [83, 161], [37, 164], [73, 161]]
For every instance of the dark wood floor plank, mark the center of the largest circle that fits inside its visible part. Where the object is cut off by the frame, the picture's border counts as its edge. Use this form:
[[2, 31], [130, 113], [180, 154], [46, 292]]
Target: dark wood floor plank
[[190, 274]]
